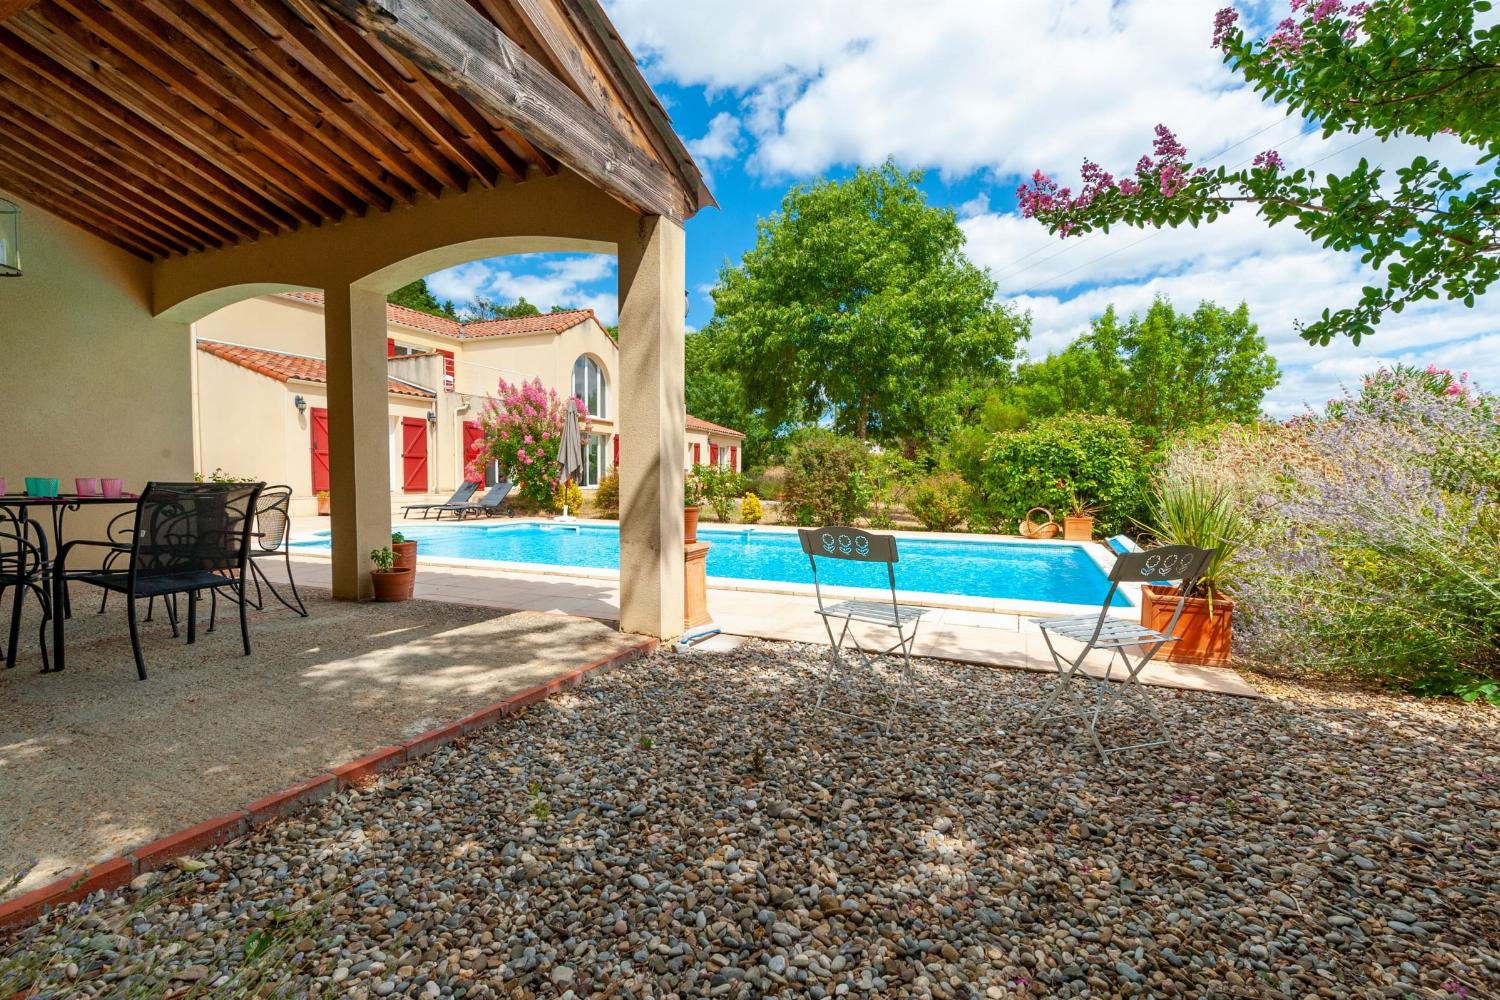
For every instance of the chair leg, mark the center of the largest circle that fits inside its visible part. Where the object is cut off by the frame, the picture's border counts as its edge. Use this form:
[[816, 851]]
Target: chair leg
[[244, 617], [103, 598], [291, 579], [42, 599], [213, 608], [135, 637], [15, 628], [192, 617]]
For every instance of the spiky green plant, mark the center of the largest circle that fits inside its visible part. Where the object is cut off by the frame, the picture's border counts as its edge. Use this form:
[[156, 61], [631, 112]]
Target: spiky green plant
[[1193, 511]]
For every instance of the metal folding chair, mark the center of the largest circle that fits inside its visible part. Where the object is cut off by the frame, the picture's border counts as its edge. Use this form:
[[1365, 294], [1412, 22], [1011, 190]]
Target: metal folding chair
[[856, 545], [1133, 645]]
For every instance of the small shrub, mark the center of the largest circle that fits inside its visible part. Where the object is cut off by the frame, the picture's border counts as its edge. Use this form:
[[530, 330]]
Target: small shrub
[[828, 479], [750, 509], [768, 483], [940, 501], [721, 489], [607, 496], [1099, 458], [568, 495]]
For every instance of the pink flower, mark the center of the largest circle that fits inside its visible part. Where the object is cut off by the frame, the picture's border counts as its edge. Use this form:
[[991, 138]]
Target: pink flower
[[1224, 22], [527, 439], [1129, 187], [1432, 369], [1166, 145], [1454, 389], [1269, 160]]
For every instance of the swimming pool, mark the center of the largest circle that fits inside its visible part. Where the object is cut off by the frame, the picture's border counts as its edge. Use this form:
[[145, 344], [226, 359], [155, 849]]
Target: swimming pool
[[1025, 571]]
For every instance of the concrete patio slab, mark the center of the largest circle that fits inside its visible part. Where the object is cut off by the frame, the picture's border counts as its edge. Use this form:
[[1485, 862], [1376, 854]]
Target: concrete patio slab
[[94, 763], [989, 639]]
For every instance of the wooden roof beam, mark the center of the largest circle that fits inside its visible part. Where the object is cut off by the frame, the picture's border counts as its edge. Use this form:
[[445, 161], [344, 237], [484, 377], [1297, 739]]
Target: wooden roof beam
[[168, 113], [458, 45], [53, 191], [95, 119]]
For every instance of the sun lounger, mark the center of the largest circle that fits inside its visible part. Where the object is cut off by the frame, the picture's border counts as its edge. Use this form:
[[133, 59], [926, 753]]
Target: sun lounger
[[460, 496], [486, 506]]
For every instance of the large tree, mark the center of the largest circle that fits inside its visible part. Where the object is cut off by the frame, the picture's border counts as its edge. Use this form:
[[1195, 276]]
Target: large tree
[[716, 394], [419, 297], [1162, 371], [1387, 67], [857, 302]]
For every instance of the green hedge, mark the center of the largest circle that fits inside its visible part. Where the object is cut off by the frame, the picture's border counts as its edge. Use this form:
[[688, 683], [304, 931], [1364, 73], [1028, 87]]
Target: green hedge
[[1100, 458]]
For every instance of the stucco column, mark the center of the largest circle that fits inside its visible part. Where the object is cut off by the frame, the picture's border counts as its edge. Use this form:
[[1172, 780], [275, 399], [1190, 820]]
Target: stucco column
[[358, 428], [652, 413]]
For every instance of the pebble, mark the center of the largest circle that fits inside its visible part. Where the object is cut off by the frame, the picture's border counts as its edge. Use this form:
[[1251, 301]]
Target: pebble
[[1318, 843]]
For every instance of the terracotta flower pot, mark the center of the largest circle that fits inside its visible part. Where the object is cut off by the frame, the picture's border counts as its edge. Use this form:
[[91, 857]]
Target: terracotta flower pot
[[1078, 529], [406, 558], [324, 505], [1202, 639], [690, 524], [391, 585]]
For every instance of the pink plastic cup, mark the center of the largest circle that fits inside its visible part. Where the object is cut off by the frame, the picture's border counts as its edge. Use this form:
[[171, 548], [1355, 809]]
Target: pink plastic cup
[[87, 487], [112, 487]]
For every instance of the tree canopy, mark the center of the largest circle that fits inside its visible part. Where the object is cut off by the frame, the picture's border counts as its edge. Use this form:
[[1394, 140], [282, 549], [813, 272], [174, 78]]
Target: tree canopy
[[419, 297], [1162, 371], [857, 303], [1387, 67]]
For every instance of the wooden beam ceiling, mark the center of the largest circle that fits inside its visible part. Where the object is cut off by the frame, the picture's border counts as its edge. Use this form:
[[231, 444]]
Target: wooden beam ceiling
[[175, 126]]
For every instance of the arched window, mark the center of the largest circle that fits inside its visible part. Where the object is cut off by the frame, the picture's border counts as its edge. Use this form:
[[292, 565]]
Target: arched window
[[588, 385]]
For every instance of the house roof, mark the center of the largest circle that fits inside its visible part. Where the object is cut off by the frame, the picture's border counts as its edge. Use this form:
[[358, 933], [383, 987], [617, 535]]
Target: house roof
[[555, 322], [289, 367], [709, 427]]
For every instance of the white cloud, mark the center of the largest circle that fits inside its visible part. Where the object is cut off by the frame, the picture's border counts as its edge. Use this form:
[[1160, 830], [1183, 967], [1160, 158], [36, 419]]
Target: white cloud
[[584, 281], [1000, 88]]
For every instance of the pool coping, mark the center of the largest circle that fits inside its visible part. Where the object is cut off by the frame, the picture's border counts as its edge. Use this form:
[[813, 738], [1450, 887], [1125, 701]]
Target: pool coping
[[1097, 551]]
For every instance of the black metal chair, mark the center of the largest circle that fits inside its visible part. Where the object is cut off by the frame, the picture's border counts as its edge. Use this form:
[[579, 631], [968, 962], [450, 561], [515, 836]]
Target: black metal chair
[[23, 565], [273, 532], [188, 538]]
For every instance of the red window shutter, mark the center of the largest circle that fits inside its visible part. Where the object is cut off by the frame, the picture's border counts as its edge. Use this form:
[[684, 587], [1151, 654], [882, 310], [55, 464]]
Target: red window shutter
[[390, 347], [617, 450], [414, 454], [713, 453], [449, 370], [317, 423], [734, 458], [697, 455], [473, 441]]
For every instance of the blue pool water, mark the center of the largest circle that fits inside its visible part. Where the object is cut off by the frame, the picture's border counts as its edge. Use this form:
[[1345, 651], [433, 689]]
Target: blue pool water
[[1015, 570]]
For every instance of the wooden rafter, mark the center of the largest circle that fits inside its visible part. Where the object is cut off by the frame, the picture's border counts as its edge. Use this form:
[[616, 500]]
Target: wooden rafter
[[176, 126], [456, 44]]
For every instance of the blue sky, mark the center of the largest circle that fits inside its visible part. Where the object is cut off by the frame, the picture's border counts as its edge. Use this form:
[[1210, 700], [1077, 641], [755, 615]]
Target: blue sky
[[979, 93]]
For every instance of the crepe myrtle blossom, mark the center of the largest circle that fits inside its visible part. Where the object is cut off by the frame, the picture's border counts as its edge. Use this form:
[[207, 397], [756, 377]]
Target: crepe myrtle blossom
[[522, 430], [1164, 171]]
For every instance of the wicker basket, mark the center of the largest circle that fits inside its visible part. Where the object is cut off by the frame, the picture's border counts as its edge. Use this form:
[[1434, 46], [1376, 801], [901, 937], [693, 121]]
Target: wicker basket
[[1032, 528]]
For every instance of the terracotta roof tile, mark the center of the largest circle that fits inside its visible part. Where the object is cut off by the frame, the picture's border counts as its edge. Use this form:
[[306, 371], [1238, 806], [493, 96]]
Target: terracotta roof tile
[[546, 323], [285, 367], [442, 326], [708, 427]]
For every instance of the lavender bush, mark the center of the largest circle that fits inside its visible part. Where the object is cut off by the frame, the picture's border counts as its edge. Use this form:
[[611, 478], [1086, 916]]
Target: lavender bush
[[1374, 547]]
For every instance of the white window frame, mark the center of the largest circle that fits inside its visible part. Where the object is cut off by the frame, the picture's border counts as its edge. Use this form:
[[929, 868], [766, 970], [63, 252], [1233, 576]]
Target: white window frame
[[590, 369]]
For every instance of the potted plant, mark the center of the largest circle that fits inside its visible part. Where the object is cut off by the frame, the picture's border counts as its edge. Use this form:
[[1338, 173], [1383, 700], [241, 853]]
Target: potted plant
[[405, 552], [1192, 512], [1078, 523], [692, 504], [390, 584], [322, 496]]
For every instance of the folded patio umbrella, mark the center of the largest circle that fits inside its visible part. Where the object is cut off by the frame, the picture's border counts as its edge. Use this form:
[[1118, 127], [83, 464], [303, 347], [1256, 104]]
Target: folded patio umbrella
[[570, 451]]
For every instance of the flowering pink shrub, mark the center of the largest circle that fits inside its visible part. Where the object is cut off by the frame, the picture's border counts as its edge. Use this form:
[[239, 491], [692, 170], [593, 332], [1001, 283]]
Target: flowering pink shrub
[[523, 427]]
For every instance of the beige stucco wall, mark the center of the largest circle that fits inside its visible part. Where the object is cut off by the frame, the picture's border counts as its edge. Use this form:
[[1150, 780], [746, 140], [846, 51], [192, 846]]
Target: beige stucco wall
[[90, 383]]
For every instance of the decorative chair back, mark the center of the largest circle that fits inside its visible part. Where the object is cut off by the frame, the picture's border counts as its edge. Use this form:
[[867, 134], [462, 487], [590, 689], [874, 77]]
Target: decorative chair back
[[23, 546], [273, 518], [192, 527], [1180, 564], [850, 544]]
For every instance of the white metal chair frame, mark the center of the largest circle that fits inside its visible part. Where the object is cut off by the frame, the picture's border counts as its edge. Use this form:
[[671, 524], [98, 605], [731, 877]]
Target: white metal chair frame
[[857, 545], [1182, 564]]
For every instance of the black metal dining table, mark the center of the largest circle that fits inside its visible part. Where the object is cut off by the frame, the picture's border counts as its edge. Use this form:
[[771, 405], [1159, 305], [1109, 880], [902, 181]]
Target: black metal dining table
[[58, 507]]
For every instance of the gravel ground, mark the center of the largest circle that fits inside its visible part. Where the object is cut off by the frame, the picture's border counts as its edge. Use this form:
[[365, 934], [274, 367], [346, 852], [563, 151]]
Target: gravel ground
[[687, 826]]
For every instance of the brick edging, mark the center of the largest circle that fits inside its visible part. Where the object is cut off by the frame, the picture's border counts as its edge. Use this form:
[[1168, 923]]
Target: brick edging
[[117, 872]]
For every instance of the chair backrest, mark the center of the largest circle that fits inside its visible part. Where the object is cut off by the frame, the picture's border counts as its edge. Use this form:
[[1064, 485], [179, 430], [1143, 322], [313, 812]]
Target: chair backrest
[[192, 527], [1180, 564], [850, 544], [465, 492], [23, 546], [495, 495], [273, 518]]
